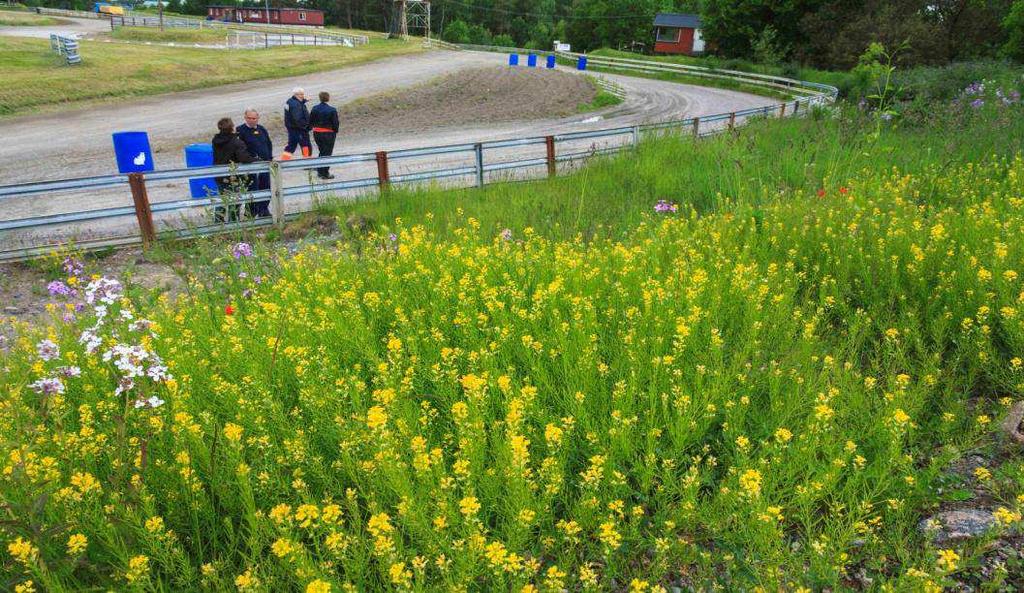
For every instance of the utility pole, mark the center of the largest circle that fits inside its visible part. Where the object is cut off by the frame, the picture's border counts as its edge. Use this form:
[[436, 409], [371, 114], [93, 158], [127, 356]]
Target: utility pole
[[160, 7]]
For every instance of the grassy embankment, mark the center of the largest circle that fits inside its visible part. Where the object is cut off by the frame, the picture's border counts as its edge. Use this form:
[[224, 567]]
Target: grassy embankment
[[552, 385], [112, 72], [601, 100], [20, 18], [170, 35]]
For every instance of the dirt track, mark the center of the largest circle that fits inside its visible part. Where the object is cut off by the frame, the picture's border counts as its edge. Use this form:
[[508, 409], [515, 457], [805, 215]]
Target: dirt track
[[31, 151], [467, 97]]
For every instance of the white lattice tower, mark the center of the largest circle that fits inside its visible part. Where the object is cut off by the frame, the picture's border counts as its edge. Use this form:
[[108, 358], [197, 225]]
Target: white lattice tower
[[413, 15]]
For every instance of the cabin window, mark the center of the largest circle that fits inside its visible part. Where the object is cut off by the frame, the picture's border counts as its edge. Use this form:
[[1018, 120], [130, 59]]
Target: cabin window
[[302, 16], [668, 35]]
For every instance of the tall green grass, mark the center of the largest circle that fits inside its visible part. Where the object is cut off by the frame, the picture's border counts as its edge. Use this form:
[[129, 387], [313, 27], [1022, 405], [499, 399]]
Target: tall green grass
[[554, 386]]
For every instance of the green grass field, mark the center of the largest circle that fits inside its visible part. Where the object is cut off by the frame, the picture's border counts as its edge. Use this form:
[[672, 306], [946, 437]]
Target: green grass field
[[742, 364], [169, 35], [16, 18], [35, 79]]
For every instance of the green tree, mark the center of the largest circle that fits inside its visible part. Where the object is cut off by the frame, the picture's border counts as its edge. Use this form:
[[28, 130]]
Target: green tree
[[1013, 25]]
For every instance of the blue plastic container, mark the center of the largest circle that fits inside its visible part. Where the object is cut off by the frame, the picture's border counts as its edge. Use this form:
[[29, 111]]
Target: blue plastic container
[[551, 61], [131, 149], [531, 60], [581, 64], [513, 59], [200, 155]]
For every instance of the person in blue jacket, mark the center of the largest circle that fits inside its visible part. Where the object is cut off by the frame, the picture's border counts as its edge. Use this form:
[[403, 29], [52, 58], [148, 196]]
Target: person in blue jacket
[[257, 141], [324, 121], [296, 121]]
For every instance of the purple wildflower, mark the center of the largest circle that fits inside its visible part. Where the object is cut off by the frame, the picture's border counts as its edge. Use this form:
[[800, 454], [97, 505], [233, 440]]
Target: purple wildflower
[[241, 250], [48, 386], [104, 290], [70, 371], [978, 103], [58, 287], [47, 350], [393, 238], [664, 206], [506, 235], [73, 267]]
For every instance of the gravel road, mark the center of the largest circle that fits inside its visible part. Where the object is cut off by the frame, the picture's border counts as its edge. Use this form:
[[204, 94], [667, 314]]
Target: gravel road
[[31, 151]]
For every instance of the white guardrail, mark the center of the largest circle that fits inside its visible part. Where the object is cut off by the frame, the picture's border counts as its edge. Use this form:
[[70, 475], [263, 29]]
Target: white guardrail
[[262, 36], [475, 163]]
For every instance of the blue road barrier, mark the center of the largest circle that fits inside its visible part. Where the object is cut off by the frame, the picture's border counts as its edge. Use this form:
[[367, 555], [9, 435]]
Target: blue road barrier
[[513, 59], [531, 60], [551, 61], [200, 155], [132, 151], [581, 64]]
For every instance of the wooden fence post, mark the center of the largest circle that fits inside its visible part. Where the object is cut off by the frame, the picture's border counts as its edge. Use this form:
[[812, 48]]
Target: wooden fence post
[[782, 110], [137, 183], [276, 194], [552, 163], [696, 127], [732, 121], [796, 107], [636, 136], [383, 177]]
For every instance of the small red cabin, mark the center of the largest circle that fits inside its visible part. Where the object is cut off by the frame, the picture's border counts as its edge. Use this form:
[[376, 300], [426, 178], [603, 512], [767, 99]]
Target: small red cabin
[[678, 34], [256, 14]]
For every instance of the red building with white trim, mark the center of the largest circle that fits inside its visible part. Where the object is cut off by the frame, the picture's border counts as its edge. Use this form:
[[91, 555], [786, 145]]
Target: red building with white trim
[[257, 14], [678, 34]]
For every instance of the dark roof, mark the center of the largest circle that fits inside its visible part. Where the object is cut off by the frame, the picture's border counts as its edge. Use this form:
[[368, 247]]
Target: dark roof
[[676, 20], [263, 8]]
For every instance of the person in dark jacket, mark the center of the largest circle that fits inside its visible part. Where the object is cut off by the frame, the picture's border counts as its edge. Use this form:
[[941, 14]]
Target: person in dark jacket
[[257, 141], [296, 121], [228, 148], [324, 121]]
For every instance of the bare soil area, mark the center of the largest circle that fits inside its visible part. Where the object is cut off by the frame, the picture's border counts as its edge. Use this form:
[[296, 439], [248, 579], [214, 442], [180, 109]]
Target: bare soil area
[[468, 97]]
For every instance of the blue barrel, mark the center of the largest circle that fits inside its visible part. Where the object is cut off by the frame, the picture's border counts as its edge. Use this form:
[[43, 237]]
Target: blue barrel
[[581, 64], [531, 60], [131, 149], [551, 61], [513, 59], [200, 155]]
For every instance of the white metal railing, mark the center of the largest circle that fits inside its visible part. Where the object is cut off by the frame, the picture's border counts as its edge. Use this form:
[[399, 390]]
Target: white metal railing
[[789, 85]]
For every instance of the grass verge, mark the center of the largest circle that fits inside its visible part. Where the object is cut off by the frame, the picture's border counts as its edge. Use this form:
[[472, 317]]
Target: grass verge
[[114, 71], [169, 35], [602, 99], [14, 18]]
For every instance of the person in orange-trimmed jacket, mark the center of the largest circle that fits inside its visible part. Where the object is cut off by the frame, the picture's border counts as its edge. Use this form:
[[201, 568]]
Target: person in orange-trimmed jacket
[[324, 120]]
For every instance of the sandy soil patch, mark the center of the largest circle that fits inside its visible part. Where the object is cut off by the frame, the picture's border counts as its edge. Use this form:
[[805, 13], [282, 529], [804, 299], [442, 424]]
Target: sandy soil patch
[[488, 94]]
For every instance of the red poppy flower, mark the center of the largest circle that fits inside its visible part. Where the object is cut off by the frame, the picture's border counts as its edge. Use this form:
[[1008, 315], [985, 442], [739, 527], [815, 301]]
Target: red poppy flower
[[229, 310], [844, 190], [821, 193]]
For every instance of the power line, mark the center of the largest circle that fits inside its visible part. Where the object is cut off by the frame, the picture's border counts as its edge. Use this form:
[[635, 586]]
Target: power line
[[551, 16]]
